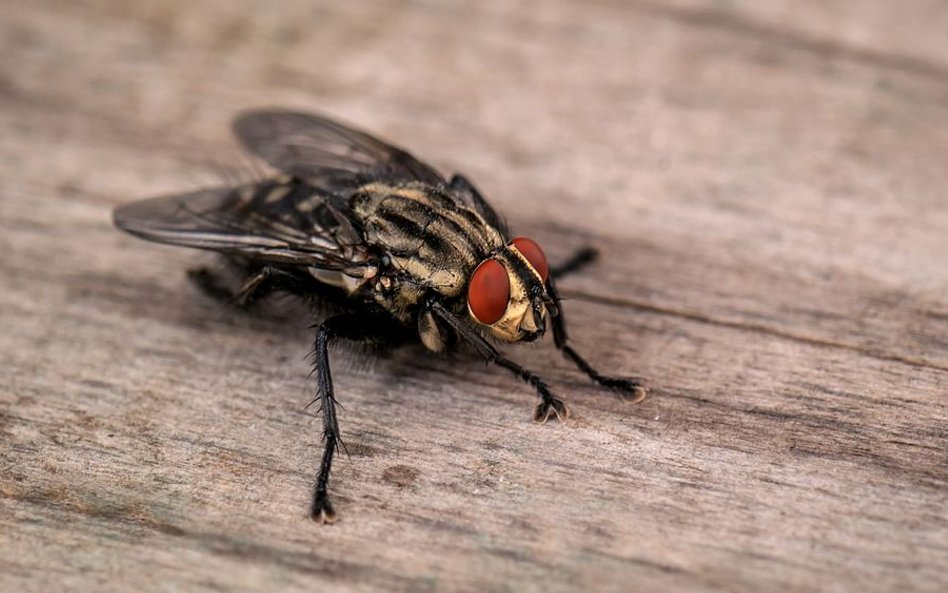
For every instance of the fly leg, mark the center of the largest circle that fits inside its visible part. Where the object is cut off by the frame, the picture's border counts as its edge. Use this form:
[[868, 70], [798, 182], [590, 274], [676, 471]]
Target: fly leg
[[633, 390], [266, 280], [579, 260], [548, 406], [349, 326], [257, 285]]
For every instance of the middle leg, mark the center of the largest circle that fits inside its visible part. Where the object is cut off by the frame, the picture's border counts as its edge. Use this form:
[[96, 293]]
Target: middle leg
[[349, 326], [548, 406]]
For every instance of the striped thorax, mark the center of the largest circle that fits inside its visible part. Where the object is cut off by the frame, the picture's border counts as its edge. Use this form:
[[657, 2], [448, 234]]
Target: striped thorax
[[431, 241]]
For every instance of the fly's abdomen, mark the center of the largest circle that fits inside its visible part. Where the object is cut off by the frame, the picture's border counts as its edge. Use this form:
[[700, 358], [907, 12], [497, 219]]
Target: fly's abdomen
[[431, 238]]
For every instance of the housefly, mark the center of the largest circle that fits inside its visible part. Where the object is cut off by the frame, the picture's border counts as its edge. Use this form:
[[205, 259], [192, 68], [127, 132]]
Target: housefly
[[402, 252]]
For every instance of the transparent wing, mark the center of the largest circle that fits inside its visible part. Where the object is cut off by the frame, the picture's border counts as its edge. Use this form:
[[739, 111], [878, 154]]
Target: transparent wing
[[276, 222], [326, 154]]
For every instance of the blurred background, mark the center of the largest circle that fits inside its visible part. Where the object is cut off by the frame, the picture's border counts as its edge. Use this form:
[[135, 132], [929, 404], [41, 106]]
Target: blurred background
[[766, 181], [723, 115]]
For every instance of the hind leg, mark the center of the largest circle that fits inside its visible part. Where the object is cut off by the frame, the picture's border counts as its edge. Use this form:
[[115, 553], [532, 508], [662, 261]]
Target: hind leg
[[255, 285]]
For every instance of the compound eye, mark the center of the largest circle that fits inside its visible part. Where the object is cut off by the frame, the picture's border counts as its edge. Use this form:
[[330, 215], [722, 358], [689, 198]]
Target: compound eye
[[489, 292], [534, 255]]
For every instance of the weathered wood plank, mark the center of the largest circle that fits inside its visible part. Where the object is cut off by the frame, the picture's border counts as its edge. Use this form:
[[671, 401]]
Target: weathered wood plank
[[767, 184]]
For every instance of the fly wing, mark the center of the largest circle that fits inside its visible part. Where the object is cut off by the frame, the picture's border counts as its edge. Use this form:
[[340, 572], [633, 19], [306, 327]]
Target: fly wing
[[326, 154], [287, 223]]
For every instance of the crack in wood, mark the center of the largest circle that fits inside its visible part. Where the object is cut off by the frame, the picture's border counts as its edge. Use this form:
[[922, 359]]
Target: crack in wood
[[714, 18], [750, 327]]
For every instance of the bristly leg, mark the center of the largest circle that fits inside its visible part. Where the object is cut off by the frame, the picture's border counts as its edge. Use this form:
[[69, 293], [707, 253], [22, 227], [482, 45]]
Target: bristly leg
[[548, 406], [579, 260], [363, 327], [321, 509], [633, 390]]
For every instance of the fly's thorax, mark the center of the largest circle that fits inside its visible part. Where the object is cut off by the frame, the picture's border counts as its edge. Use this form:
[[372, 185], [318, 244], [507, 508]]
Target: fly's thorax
[[429, 237]]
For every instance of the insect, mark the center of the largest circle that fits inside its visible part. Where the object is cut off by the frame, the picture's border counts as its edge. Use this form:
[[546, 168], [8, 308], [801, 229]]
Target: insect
[[403, 253]]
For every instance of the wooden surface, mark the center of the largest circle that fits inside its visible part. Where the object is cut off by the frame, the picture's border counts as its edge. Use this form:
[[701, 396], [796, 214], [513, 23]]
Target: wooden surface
[[767, 181]]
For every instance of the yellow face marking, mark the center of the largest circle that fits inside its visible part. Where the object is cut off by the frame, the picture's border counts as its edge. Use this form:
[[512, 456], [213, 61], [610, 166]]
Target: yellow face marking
[[519, 317]]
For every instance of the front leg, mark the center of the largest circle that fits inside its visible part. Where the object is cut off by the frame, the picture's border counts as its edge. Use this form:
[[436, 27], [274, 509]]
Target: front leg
[[633, 390], [548, 406]]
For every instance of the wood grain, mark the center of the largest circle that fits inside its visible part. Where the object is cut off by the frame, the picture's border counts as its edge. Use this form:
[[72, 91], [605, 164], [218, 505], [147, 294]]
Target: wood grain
[[766, 181]]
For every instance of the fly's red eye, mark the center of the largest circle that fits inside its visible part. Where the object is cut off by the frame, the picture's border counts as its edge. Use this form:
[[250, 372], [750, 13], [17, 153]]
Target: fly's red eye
[[489, 292], [534, 255]]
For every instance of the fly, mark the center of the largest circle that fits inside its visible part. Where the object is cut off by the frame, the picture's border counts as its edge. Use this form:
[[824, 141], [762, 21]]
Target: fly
[[403, 253]]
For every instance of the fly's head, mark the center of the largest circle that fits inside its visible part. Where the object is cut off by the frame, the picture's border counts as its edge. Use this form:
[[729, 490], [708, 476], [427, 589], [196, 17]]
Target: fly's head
[[507, 292]]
